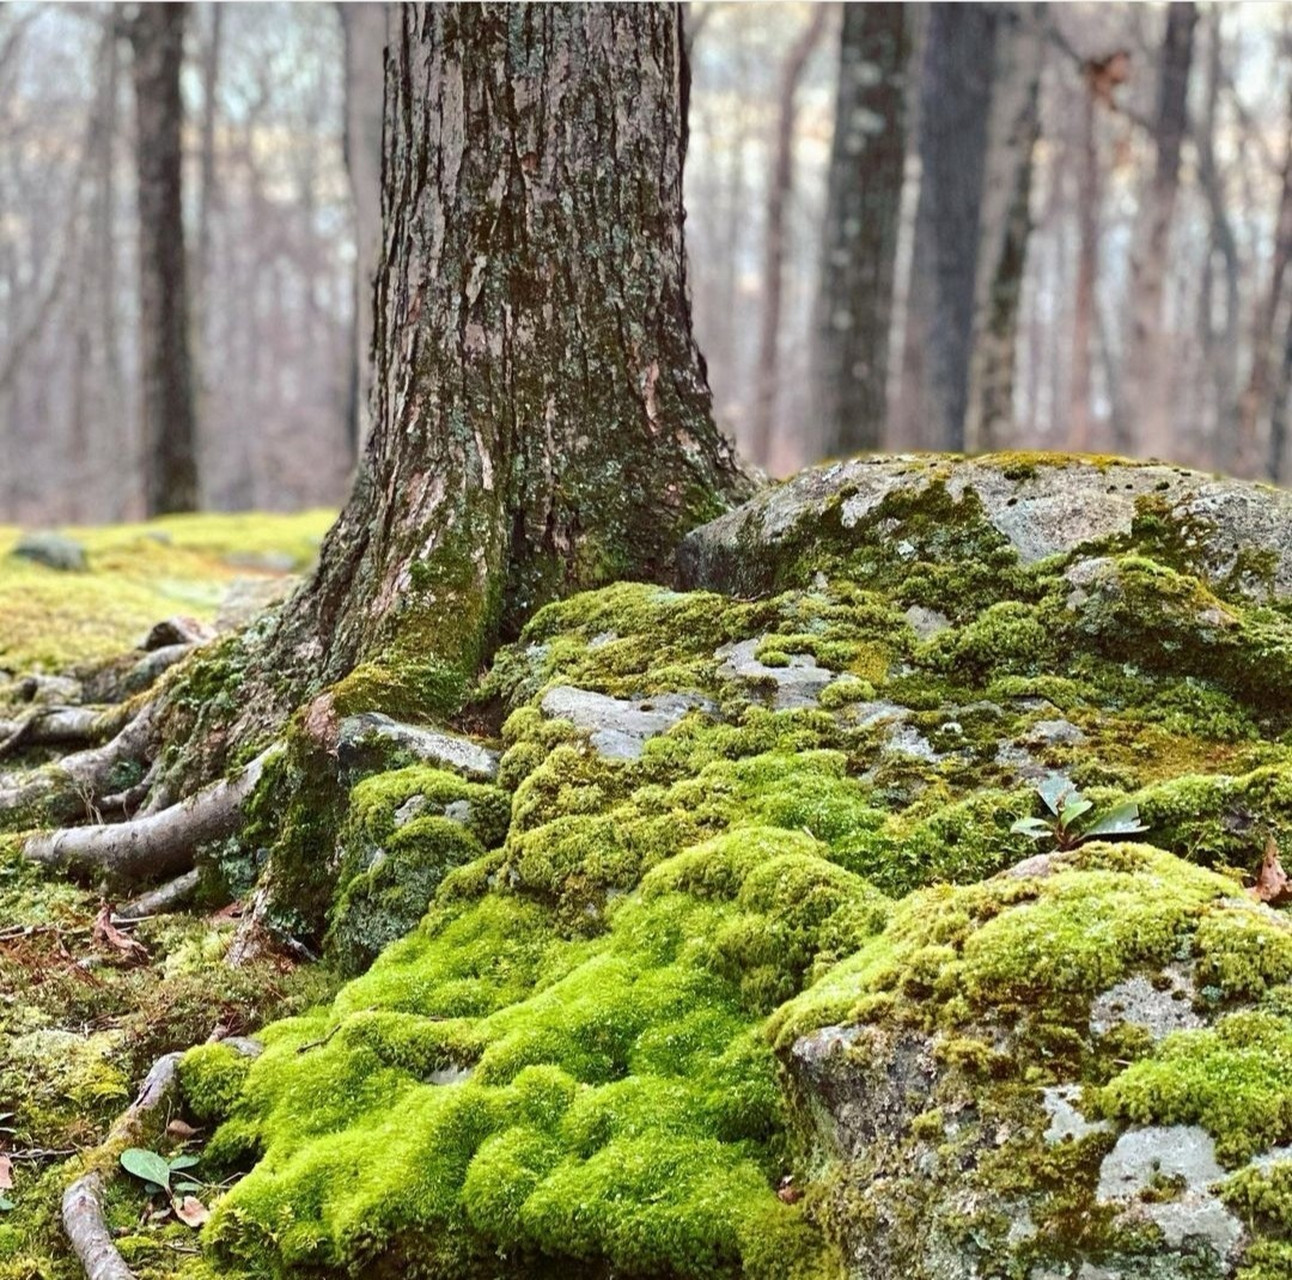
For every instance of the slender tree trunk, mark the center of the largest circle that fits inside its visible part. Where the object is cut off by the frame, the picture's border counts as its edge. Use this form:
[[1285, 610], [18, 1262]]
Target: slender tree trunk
[[169, 430], [1220, 348], [955, 102], [208, 197], [364, 29], [1255, 402], [854, 307], [1013, 128], [1145, 380], [542, 420], [1089, 200], [780, 185]]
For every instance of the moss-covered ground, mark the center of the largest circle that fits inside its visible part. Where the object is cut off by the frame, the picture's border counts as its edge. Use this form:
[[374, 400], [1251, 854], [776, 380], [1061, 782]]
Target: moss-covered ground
[[579, 1061]]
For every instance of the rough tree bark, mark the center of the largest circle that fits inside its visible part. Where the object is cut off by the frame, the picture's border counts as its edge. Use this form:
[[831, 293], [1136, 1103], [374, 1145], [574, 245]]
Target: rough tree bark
[[542, 417], [1013, 127], [1147, 404], [169, 429], [854, 306], [780, 186], [363, 27], [955, 102]]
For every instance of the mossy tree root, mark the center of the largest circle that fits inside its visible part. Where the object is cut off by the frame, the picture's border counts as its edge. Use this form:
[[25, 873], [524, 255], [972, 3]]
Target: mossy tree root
[[73, 785], [159, 844], [63, 726], [82, 1209]]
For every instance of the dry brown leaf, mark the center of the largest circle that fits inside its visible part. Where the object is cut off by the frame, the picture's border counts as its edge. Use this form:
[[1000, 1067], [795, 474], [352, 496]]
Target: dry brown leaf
[[1272, 885], [180, 1129], [787, 1192], [6, 1173], [191, 1211], [108, 935]]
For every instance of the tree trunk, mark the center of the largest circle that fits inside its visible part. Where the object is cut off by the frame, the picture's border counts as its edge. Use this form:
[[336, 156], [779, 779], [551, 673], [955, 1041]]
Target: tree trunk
[[169, 432], [780, 184], [1147, 402], [207, 197], [1089, 200], [542, 419], [364, 29], [1255, 403], [955, 101], [1013, 128], [854, 307]]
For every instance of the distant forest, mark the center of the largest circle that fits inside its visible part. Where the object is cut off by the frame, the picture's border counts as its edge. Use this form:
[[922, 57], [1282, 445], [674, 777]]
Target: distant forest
[[931, 226]]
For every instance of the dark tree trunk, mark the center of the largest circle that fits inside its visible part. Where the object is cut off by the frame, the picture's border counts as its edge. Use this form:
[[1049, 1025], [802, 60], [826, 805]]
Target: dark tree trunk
[[364, 29], [541, 415], [169, 432], [1013, 127], [780, 186], [955, 100], [1146, 378], [854, 308]]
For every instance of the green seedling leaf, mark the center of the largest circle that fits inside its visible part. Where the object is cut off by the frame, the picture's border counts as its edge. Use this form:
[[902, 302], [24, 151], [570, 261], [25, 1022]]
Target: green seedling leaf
[[6, 1204], [1034, 828], [147, 1166], [185, 1187], [1124, 820], [1073, 807], [1053, 789], [183, 1162]]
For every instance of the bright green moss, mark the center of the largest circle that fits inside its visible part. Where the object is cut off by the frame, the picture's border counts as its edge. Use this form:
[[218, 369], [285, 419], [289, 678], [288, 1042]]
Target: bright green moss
[[1234, 1079], [1243, 951], [212, 1076]]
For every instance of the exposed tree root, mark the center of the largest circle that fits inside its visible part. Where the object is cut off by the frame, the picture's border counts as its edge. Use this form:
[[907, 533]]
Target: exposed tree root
[[167, 897], [159, 844], [61, 726], [83, 1219]]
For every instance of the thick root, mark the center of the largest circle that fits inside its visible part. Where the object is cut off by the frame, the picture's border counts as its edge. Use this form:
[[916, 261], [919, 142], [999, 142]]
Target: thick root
[[167, 897], [63, 727], [83, 1219], [159, 844]]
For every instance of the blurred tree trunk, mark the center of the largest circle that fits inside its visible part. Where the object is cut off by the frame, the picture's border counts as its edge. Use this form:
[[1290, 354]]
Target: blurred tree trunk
[[854, 306], [1013, 128], [169, 431], [1089, 200], [955, 102], [1146, 370], [363, 27], [1255, 403], [542, 421], [208, 196], [780, 185], [1221, 348]]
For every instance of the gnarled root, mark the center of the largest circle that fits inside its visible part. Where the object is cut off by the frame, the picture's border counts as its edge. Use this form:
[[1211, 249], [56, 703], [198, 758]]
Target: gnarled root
[[83, 1219], [159, 844]]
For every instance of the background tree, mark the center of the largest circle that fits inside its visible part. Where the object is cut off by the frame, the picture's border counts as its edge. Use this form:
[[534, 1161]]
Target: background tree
[[169, 426], [1147, 399], [853, 314], [364, 29]]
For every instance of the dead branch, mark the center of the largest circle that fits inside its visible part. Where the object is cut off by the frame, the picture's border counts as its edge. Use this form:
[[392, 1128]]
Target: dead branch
[[159, 901]]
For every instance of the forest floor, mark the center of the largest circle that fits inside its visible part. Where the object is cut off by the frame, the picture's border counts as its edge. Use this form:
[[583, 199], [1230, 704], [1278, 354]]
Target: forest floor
[[85, 1008]]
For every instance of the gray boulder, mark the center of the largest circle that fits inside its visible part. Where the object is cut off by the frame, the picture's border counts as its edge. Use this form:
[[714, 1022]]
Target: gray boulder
[[53, 550]]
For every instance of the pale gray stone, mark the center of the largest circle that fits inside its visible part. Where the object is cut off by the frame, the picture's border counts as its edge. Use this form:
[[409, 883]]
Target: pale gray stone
[[53, 550], [1158, 1008], [429, 745], [797, 685], [619, 727], [1066, 1121]]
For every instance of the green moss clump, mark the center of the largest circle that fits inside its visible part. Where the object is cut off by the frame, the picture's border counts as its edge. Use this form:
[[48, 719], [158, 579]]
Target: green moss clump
[[1234, 1079], [212, 1076]]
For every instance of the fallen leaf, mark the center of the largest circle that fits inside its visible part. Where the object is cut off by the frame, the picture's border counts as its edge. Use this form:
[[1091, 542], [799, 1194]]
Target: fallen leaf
[[107, 934], [6, 1173], [1272, 885], [787, 1192], [191, 1211], [179, 1129]]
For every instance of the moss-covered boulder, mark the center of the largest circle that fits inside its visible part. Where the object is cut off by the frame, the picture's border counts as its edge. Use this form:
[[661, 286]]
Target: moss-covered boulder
[[884, 910]]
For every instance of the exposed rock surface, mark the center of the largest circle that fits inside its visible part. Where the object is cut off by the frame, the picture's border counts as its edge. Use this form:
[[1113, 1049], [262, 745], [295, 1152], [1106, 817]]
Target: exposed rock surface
[[53, 550], [764, 953]]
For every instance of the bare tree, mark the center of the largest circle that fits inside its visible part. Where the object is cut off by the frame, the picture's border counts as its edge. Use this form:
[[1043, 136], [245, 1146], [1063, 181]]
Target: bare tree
[[955, 103], [854, 308], [1013, 127], [1146, 367], [364, 30], [780, 183], [169, 429]]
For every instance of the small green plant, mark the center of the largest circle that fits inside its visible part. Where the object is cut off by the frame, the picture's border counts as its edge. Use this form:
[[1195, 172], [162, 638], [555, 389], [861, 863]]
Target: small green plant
[[1066, 821], [155, 1171]]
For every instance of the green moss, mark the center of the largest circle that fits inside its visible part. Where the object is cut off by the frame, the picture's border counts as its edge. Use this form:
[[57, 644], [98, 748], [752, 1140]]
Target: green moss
[[1234, 1079], [212, 1076]]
